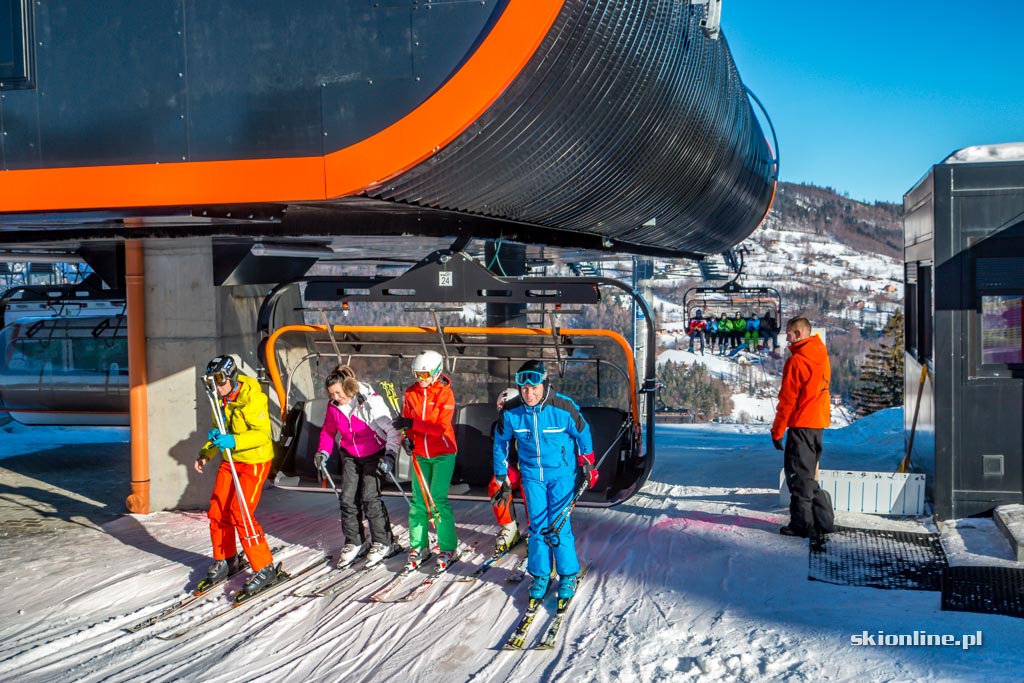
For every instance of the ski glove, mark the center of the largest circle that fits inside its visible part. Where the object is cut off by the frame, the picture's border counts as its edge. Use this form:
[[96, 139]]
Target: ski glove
[[212, 434], [589, 473], [320, 460], [502, 495], [778, 444], [387, 464], [407, 444], [224, 441], [402, 423]]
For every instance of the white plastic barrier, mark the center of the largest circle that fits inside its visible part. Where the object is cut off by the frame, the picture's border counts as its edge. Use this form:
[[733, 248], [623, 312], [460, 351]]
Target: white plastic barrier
[[878, 493]]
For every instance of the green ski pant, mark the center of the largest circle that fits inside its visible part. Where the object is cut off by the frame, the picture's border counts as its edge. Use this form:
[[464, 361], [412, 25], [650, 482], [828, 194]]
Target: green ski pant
[[437, 472]]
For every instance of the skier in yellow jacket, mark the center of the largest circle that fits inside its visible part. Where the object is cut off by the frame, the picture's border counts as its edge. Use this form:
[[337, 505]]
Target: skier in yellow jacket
[[247, 421]]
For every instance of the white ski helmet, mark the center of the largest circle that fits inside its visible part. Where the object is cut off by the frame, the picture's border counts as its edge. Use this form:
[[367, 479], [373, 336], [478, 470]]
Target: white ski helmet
[[504, 396], [428, 362]]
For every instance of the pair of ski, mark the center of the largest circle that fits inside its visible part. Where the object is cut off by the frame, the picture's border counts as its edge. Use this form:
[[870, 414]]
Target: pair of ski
[[424, 585], [493, 560], [199, 593], [340, 578], [518, 638], [243, 599]]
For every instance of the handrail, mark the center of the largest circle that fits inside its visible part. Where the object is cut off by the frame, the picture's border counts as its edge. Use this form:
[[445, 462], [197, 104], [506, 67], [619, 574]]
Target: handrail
[[275, 373]]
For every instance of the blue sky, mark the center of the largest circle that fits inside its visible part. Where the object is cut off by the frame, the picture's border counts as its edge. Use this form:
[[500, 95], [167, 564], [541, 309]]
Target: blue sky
[[865, 97]]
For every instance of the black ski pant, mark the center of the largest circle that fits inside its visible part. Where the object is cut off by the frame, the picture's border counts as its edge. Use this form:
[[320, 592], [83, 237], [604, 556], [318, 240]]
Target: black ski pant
[[360, 493], [810, 508]]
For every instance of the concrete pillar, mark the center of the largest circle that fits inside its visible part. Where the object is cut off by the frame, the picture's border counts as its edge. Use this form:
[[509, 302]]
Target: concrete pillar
[[188, 322]]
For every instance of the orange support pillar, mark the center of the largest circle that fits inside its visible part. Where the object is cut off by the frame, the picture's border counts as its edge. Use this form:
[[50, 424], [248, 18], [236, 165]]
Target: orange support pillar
[[135, 294]]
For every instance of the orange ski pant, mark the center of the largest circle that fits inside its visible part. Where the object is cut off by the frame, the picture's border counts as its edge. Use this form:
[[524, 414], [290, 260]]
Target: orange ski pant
[[227, 518], [504, 513]]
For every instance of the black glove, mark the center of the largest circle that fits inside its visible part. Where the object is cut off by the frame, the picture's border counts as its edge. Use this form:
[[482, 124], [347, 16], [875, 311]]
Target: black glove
[[387, 463], [502, 495], [402, 423], [407, 445], [778, 444]]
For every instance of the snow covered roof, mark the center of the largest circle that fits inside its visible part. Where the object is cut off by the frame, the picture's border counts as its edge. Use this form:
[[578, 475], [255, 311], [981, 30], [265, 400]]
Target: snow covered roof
[[1008, 151]]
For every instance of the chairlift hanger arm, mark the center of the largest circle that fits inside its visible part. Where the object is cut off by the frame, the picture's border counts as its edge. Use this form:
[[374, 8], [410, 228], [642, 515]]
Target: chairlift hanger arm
[[441, 278]]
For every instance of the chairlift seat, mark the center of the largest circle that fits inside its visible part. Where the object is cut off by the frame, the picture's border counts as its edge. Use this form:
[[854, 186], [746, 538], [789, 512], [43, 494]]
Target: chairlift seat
[[473, 427], [605, 423]]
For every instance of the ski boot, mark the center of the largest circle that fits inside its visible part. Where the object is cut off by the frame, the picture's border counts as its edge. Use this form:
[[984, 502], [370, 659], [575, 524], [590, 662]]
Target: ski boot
[[381, 551], [219, 571], [351, 551], [417, 556], [445, 559], [261, 580], [507, 537], [539, 587], [567, 586]]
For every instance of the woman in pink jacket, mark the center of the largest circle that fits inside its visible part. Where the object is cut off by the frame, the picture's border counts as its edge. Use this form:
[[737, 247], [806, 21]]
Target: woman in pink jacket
[[361, 422]]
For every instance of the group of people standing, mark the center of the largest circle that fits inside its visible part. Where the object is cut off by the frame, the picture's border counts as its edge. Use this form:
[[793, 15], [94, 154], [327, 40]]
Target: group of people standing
[[724, 334], [540, 442]]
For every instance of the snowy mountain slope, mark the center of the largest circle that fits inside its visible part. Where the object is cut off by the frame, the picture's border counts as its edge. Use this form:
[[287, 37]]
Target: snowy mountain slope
[[690, 581], [796, 249]]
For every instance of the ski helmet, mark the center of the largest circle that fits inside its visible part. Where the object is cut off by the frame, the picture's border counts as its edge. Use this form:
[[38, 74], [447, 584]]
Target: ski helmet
[[427, 364], [222, 369], [505, 396], [532, 372]]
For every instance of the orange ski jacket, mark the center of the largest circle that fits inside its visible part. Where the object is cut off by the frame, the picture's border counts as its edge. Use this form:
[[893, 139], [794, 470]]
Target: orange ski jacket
[[804, 399], [432, 410]]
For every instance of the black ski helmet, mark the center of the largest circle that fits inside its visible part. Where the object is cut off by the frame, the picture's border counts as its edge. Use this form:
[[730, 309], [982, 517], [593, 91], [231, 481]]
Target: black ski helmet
[[222, 369]]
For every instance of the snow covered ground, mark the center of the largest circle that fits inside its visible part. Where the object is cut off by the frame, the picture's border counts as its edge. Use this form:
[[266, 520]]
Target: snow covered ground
[[690, 581]]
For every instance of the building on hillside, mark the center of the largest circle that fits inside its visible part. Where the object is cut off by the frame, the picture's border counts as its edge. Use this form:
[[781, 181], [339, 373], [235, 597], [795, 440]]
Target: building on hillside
[[964, 292]]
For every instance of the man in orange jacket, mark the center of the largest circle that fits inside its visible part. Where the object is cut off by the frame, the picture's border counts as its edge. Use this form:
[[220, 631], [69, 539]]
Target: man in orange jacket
[[805, 410]]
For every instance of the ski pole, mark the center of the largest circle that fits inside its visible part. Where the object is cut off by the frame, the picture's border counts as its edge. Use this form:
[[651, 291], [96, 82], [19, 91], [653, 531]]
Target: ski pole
[[400, 490], [428, 498], [433, 515], [551, 533], [248, 525], [327, 475]]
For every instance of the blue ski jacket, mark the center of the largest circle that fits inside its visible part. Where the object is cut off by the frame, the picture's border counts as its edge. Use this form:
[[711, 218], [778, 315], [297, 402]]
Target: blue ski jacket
[[548, 435]]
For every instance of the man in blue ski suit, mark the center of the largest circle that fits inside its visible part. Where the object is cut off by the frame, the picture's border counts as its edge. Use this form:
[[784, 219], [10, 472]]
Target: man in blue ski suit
[[552, 439]]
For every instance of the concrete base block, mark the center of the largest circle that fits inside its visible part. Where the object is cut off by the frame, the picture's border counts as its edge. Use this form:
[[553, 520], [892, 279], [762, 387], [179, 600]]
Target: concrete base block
[[1010, 518]]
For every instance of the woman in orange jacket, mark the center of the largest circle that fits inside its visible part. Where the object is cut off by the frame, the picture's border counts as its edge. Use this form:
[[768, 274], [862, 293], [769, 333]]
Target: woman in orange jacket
[[427, 419], [804, 410]]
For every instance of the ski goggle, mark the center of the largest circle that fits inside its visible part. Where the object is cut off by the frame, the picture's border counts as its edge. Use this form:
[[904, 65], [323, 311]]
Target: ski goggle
[[531, 377], [219, 378], [422, 375]]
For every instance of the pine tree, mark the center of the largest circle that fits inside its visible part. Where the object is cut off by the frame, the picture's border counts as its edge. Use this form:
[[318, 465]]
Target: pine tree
[[881, 376]]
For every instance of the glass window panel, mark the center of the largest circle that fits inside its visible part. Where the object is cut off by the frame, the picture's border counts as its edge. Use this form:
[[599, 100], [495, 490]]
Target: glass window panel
[[1001, 330]]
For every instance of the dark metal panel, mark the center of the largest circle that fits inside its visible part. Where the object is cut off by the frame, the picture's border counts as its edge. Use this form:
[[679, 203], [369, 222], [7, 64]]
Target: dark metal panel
[[19, 129], [373, 85], [998, 273], [254, 75], [918, 211], [992, 427], [110, 82], [988, 177], [411, 49], [627, 124]]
